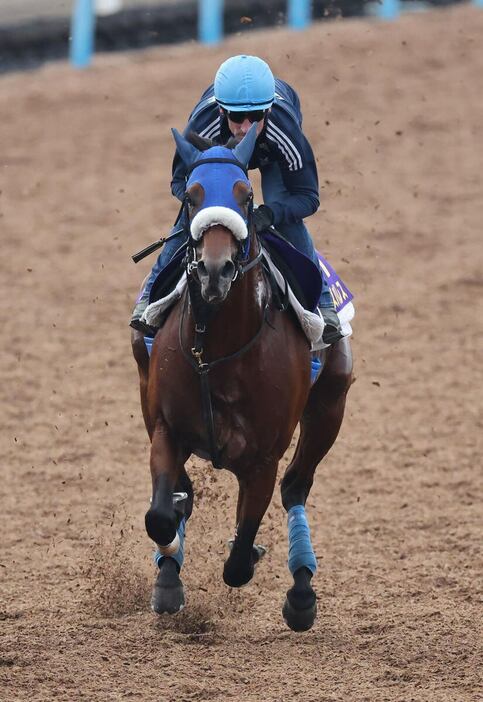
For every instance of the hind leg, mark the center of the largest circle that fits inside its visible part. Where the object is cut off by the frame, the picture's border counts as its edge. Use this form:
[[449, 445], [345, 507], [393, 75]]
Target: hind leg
[[319, 428], [256, 490], [141, 357]]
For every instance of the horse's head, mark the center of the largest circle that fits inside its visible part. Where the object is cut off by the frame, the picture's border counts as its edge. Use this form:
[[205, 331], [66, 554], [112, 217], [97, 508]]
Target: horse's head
[[219, 203]]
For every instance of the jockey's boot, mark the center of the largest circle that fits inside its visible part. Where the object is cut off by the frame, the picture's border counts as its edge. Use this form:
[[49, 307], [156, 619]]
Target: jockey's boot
[[136, 321], [332, 330]]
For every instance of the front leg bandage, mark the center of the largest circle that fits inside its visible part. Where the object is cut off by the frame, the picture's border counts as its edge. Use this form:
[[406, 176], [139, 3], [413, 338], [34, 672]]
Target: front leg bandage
[[300, 551]]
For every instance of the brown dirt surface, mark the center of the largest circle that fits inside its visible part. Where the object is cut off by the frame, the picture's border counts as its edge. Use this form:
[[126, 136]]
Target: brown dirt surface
[[395, 116]]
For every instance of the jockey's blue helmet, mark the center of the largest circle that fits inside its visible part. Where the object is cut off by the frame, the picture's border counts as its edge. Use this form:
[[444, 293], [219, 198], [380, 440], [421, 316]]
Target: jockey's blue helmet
[[244, 83]]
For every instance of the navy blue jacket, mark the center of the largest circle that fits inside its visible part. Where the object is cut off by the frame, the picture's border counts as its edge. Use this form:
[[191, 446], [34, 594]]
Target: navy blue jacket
[[281, 141]]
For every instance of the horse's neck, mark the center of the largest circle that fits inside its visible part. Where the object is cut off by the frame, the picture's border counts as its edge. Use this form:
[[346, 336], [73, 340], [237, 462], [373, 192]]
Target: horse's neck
[[248, 296]]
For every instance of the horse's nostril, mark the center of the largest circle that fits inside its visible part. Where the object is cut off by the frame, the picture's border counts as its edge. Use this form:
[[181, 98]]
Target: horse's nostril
[[201, 268], [228, 270]]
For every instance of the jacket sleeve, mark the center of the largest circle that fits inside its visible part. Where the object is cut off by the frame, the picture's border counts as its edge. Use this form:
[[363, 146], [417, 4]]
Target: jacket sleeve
[[299, 176]]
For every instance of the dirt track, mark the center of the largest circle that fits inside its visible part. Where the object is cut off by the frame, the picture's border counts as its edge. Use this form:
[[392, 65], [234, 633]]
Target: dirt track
[[395, 115]]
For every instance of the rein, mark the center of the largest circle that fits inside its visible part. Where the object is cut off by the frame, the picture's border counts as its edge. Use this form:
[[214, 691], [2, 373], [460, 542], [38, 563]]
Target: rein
[[201, 317]]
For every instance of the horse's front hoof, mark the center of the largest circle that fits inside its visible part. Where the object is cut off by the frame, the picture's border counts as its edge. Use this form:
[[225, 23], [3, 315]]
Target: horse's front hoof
[[168, 592], [299, 619]]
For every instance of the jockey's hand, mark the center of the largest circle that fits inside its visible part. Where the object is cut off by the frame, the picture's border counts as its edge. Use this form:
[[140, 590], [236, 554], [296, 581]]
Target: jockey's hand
[[262, 218]]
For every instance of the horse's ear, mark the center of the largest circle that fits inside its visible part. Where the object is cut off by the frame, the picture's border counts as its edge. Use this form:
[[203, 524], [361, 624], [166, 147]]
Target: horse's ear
[[187, 151], [201, 143], [232, 142], [243, 151]]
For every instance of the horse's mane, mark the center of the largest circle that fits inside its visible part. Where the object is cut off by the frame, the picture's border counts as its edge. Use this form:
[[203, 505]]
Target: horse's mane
[[203, 144]]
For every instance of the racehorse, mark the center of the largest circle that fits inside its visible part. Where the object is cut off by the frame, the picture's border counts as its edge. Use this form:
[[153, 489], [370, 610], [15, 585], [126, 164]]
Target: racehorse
[[229, 379]]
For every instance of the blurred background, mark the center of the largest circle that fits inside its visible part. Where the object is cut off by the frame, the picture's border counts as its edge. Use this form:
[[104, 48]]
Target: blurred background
[[35, 31]]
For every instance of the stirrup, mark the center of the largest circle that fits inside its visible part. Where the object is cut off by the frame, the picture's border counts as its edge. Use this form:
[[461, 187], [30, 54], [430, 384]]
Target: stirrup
[[332, 331], [143, 327]]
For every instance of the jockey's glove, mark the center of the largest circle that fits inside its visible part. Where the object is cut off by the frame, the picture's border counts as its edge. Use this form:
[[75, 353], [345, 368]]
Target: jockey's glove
[[262, 218]]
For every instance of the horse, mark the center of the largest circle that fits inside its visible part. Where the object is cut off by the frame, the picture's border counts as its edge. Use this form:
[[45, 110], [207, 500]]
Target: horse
[[229, 379]]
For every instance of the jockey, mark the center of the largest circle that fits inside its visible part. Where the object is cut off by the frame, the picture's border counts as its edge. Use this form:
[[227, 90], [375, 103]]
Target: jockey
[[245, 91]]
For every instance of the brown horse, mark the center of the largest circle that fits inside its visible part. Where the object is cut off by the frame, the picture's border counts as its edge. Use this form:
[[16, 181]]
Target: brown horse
[[229, 379]]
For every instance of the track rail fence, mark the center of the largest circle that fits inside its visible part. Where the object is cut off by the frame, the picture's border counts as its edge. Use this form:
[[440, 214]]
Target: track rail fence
[[210, 21], [114, 25]]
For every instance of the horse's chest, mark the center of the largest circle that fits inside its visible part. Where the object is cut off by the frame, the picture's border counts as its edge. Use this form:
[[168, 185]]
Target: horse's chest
[[234, 429]]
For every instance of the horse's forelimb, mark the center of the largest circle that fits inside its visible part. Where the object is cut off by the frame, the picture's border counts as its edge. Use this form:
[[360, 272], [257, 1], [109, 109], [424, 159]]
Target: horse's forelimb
[[167, 464]]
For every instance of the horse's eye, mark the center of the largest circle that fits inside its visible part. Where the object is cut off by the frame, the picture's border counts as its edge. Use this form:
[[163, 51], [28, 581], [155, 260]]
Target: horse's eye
[[242, 195], [195, 195]]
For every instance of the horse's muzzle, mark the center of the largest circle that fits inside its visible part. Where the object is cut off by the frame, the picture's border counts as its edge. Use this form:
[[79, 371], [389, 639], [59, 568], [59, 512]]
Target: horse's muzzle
[[215, 280]]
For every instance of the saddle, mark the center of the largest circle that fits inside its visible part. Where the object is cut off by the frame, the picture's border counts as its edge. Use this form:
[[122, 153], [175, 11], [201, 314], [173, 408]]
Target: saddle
[[297, 270], [295, 280]]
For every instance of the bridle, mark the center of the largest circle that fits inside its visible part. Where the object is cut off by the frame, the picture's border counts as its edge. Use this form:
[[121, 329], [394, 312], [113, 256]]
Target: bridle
[[202, 313], [242, 263]]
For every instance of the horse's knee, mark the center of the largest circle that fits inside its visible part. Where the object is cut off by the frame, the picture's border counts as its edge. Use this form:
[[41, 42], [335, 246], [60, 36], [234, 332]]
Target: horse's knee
[[160, 526]]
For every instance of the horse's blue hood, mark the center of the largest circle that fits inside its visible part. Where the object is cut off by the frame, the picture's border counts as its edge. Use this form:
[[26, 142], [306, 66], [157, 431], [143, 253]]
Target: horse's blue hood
[[218, 179]]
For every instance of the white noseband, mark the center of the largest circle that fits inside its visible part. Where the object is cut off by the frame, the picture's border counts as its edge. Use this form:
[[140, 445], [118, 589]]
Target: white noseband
[[225, 216]]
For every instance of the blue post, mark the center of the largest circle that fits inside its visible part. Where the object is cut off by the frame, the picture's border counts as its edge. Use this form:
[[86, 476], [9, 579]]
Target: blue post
[[299, 13], [478, 3], [389, 9], [210, 21], [82, 33]]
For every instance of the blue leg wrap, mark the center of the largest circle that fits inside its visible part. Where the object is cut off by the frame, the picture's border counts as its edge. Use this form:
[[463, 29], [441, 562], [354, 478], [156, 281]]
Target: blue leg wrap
[[300, 551], [179, 555]]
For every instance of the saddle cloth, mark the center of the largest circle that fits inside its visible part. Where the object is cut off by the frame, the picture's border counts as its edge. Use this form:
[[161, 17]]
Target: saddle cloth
[[310, 319]]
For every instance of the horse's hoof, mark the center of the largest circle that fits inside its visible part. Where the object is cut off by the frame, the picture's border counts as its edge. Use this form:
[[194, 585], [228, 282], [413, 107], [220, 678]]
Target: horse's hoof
[[168, 592], [235, 576], [299, 619], [258, 551]]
